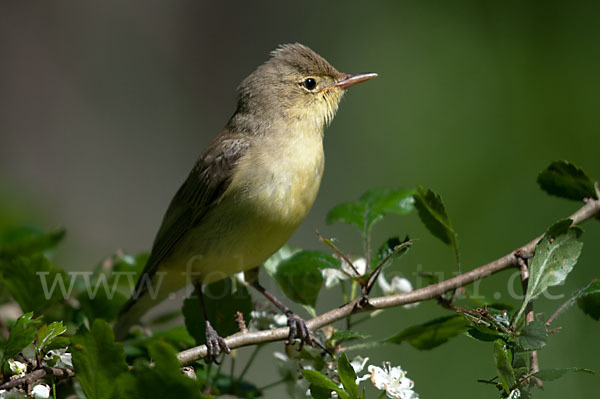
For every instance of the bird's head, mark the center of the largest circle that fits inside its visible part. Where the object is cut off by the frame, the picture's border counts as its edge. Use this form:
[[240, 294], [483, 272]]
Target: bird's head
[[296, 85]]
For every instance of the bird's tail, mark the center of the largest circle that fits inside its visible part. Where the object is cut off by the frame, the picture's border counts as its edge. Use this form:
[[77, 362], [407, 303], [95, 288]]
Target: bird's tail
[[130, 314]]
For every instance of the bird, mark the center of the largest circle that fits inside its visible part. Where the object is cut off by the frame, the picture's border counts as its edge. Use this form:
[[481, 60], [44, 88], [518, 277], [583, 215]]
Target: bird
[[250, 188]]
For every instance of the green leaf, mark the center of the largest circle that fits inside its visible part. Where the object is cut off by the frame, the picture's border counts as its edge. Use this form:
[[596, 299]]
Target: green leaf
[[163, 380], [391, 249], [554, 374], [533, 336], [273, 262], [222, 303], [21, 336], [300, 278], [555, 255], [433, 214], [480, 335], [33, 282], [589, 300], [372, 207], [431, 334], [48, 333], [504, 368], [102, 305], [347, 335], [319, 380], [563, 179], [347, 376], [318, 392], [98, 360], [27, 242]]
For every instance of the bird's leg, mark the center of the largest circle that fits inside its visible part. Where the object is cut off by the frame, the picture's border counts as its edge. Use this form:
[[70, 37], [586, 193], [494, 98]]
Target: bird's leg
[[297, 325], [214, 343]]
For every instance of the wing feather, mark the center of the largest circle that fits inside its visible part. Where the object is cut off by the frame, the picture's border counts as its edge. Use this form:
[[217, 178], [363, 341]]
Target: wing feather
[[202, 189]]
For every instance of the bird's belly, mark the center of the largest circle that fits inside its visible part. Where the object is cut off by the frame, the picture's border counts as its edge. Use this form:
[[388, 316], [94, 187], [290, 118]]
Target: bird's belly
[[252, 222]]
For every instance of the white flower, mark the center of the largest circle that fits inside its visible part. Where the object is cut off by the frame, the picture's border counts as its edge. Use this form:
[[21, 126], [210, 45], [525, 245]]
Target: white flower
[[516, 394], [334, 276], [58, 358], [398, 285], [360, 264], [41, 391], [393, 380], [358, 364], [17, 368], [267, 320]]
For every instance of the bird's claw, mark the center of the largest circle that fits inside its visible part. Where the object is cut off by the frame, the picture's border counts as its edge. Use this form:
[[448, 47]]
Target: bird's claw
[[215, 344], [299, 329]]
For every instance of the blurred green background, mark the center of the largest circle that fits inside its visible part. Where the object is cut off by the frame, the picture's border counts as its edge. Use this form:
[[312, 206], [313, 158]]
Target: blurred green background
[[104, 108]]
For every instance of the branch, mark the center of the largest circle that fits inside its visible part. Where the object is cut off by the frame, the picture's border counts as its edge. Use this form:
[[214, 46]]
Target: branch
[[38, 375], [590, 209]]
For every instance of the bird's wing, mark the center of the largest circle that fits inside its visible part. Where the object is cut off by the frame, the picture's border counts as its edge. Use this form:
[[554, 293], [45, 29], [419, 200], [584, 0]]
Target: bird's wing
[[202, 189]]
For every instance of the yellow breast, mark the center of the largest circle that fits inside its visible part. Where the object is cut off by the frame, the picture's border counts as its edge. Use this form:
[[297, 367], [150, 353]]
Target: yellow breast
[[280, 177]]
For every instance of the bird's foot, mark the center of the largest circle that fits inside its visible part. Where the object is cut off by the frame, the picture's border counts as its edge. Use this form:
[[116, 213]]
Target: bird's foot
[[215, 344], [299, 329]]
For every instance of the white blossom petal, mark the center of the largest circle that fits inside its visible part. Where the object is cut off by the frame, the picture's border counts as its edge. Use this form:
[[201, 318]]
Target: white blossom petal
[[393, 380], [41, 391], [358, 363], [17, 368], [333, 276]]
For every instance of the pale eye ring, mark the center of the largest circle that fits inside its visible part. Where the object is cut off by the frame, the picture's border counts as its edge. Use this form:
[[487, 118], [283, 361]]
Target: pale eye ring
[[309, 83]]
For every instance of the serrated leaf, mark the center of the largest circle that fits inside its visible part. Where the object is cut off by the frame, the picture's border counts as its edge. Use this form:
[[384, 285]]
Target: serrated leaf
[[589, 300], [390, 250], [21, 336], [563, 179], [319, 380], [48, 333], [222, 303], [30, 281], [163, 380], [347, 376], [433, 214], [372, 207], [347, 335], [431, 334], [554, 374], [502, 361], [98, 360], [300, 278], [533, 336], [58, 342], [555, 255]]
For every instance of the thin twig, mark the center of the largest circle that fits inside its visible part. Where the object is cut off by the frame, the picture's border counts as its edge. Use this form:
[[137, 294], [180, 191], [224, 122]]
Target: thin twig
[[590, 209], [331, 245], [534, 365], [568, 303]]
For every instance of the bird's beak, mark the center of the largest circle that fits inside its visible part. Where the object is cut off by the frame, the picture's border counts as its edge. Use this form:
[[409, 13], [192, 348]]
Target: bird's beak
[[353, 78]]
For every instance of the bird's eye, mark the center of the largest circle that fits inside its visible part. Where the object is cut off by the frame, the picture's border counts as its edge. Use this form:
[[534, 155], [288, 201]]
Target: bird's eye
[[309, 83]]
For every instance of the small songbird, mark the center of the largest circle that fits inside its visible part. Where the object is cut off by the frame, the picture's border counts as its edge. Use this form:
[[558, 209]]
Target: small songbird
[[250, 189]]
